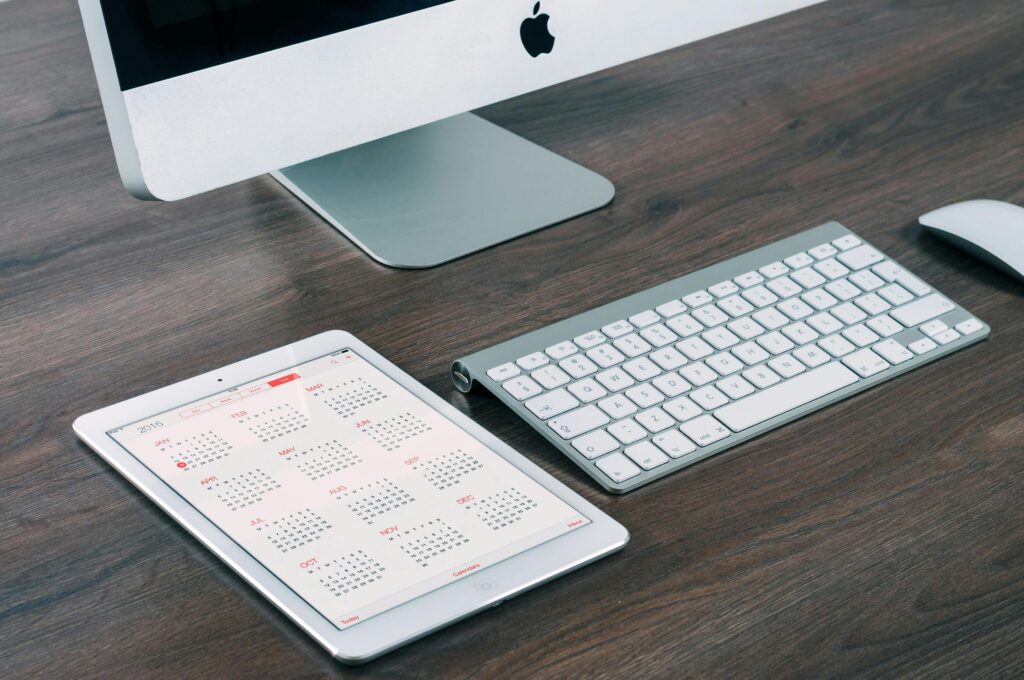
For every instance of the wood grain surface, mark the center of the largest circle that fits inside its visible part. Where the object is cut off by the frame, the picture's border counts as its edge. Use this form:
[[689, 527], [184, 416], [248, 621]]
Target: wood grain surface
[[883, 536]]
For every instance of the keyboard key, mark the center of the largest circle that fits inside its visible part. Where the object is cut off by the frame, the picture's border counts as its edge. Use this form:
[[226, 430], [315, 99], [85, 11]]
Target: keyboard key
[[807, 277], [848, 313], [645, 318], [595, 444], [771, 318], [588, 340], [773, 269], [795, 309], [860, 257], [532, 361], [701, 297], [750, 353], [551, 404], [825, 323], [735, 306], [787, 366], [627, 431], [724, 288], [646, 455], [884, 325], [784, 287], [799, 260], [724, 363], [831, 268], [843, 289], [682, 409], [615, 379], [735, 387], [775, 342], [671, 384], [605, 356], [644, 396], [811, 356], [867, 281], [746, 328], [658, 336], [587, 390], [654, 420], [895, 294], [759, 296], [674, 443], [846, 242], [819, 298], [893, 352], [578, 366], [521, 387], [890, 271], [860, 335], [761, 376], [708, 398], [641, 368], [698, 374], [580, 421], [685, 325], [550, 377], [632, 345], [872, 304], [836, 345], [933, 328], [721, 338], [866, 363], [561, 350], [709, 315], [749, 279], [671, 308], [924, 309], [947, 336], [800, 333], [786, 396], [823, 251], [617, 329], [503, 372], [969, 326], [617, 407], [667, 358], [617, 467], [923, 346], [705, 430], [695, 348]]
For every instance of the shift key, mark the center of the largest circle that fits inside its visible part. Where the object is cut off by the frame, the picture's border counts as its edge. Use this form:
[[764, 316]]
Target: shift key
[[922, 310], [578, 422]]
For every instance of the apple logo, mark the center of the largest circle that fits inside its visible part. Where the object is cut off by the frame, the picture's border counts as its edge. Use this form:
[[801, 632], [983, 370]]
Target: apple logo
[[537, 39]]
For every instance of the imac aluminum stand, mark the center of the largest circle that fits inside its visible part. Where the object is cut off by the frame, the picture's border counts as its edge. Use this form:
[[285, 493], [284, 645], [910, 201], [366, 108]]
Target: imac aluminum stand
[[435, 193]]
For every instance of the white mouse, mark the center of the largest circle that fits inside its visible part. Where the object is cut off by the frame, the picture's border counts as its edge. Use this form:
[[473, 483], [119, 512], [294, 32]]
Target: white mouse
[[992, 231]]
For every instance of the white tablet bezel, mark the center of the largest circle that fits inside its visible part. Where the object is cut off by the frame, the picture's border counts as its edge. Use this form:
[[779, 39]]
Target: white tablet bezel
[[406, 622]]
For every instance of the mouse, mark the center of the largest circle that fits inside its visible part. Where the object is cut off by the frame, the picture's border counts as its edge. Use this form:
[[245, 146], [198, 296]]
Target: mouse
[[992, 231]]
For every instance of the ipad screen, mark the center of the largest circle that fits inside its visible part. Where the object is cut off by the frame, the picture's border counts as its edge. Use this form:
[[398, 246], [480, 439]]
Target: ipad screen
[[351, 489]]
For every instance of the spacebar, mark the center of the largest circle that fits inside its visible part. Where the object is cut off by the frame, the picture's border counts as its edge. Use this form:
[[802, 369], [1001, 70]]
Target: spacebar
[[786, 396]]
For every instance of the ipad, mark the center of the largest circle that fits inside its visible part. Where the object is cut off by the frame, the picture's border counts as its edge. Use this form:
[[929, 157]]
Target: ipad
[[362, 505]]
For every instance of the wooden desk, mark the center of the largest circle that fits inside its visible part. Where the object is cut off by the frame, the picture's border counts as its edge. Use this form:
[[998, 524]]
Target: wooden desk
[[882, 536]]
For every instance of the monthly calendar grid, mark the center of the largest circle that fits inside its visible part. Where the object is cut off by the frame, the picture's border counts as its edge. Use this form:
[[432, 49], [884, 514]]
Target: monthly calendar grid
[[370, 501], [502, 509], [323, 459]]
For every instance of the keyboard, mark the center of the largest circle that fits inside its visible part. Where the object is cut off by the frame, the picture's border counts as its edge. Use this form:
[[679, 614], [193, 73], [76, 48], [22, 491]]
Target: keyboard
[[654, 382]]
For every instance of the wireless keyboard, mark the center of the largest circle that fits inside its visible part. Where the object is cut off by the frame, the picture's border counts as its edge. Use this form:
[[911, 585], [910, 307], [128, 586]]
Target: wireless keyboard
[[659, 380]]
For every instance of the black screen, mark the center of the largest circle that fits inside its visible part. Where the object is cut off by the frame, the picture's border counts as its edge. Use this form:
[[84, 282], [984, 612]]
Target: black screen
[[158, 39]]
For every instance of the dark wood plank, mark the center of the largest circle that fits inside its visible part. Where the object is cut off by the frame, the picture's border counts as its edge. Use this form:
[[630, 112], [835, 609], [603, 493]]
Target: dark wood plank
[[883, 536]]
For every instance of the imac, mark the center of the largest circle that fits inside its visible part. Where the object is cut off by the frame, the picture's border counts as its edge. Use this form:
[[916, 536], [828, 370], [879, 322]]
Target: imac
[[359, 107]]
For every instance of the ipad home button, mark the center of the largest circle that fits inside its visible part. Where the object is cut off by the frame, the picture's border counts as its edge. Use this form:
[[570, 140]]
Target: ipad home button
[[485, 586]]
